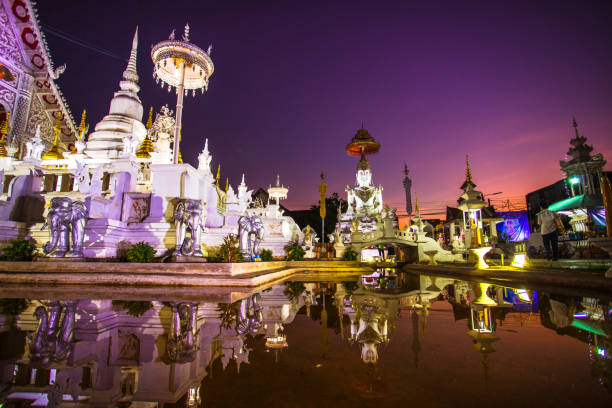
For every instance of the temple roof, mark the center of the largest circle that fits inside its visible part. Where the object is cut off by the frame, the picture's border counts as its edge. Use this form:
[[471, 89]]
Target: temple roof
[[20, 26]]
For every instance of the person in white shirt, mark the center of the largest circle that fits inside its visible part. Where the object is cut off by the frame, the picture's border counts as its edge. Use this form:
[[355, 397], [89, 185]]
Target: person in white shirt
[[548, 228]]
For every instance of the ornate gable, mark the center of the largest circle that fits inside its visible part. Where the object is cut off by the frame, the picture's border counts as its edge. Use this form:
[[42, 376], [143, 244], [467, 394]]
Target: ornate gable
[[36, 96]]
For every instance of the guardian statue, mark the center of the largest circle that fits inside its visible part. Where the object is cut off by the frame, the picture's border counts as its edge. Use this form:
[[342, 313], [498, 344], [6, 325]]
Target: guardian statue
[[251, 231], [189, 216], [66, 218]]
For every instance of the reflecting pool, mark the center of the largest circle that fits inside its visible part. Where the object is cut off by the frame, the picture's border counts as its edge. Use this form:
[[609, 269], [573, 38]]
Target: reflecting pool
[[382, 340]]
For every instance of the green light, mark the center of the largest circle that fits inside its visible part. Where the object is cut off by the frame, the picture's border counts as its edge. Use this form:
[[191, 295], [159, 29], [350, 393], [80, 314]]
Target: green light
[[585, 325], [563, 204], [574, 180]]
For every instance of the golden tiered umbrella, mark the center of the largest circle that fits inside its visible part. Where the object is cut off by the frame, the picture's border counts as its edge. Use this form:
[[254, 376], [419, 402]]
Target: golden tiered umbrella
[[146, 147], [54, 152]]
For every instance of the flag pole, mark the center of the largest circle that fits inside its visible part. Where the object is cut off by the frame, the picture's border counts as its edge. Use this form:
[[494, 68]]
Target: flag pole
[[322, 209]]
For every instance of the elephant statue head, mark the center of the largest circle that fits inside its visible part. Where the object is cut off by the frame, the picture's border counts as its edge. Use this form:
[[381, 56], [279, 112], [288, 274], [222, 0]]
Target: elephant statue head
[[66, 219], [251, 232], [183, 338], [250, 316], [189, 216]]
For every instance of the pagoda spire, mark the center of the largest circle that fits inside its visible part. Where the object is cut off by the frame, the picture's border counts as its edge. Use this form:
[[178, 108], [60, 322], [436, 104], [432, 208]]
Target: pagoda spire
[[130, 73], [575, 125], [416, 204], [468, 172], [407, 189]]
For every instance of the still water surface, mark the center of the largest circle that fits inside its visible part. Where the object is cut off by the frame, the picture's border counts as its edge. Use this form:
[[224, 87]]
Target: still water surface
[[315, 340]]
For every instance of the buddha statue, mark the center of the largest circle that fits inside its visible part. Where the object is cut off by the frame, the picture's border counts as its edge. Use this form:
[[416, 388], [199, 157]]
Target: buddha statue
[[364, 198]]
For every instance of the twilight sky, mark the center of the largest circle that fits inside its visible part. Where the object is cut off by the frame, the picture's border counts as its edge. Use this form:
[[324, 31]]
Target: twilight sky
[[432, 82]]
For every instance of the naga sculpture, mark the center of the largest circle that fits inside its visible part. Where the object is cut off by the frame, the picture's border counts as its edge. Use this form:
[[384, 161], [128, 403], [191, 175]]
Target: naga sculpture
[[183, 339], [251, 231], [189, 215], [66, 218], [53, 339], [250, 316]]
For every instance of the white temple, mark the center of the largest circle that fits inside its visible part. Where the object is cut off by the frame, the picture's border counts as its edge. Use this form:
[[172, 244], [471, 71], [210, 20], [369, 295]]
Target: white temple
[[124, 172]]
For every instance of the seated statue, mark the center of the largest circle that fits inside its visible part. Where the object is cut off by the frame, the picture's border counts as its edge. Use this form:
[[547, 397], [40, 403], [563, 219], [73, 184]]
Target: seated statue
[[364, 198]]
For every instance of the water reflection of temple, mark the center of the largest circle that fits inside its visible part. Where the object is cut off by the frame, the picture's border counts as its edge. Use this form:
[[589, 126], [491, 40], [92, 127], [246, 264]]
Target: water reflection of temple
[[379, 300], [98, 352], [95, 351]]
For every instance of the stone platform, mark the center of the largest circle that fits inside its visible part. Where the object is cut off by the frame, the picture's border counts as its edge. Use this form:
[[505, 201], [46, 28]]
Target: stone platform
[[246, 274]]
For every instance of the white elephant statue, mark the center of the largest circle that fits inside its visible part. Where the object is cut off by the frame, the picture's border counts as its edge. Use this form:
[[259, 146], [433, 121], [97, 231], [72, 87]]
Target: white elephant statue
[[250, 231], [189, 216], [250, 316], [183, 338], [65, 218]]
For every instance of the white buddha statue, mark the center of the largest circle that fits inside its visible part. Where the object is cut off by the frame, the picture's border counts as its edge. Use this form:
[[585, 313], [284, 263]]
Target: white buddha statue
[[364, 198]]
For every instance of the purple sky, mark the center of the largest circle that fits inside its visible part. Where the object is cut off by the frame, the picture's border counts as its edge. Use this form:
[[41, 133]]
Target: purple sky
[[294, 80]]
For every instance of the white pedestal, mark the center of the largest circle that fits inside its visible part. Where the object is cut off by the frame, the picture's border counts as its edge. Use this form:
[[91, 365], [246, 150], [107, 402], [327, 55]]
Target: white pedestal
[[480, 253]]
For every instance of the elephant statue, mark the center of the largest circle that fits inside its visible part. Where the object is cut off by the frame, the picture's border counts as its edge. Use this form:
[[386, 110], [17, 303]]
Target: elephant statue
[[53, 340], [183, 339], [65, 218], [250, 316], [251, 231], [189, 215]]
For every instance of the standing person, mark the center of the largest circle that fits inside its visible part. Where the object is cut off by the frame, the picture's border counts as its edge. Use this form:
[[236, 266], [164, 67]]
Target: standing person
[[548, 228]]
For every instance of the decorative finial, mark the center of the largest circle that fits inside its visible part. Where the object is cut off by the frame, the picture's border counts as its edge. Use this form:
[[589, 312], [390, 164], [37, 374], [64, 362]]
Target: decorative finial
[[322, 174], [278, 180], [209, 50], [575, 125], [242, 183], [172, 35], [468, 172], [405, 169], [54, 152], [5, 126], [416, 204], [130, 73], [226, 184], [82, 126], [146, 147], [186, 33], [149, 124], [58, 125], [3, 132], [218, 174]]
